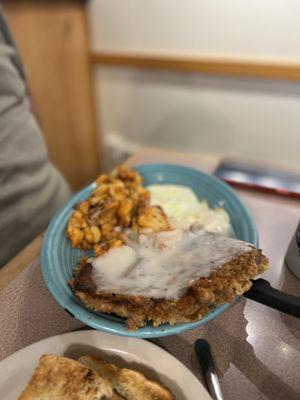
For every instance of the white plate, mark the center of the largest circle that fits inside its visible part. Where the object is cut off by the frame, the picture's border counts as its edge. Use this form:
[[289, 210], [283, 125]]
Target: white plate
[[139, 354]]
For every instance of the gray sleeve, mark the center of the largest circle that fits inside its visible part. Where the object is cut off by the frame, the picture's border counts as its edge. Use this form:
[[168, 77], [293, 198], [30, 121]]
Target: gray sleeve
[[31, 189]]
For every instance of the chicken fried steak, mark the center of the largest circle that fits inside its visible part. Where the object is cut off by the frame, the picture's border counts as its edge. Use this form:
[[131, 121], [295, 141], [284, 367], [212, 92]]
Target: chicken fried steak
[[231, 279]]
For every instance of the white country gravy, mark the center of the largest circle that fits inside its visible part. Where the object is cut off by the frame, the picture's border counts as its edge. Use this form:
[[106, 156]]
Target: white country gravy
[[163, 265]]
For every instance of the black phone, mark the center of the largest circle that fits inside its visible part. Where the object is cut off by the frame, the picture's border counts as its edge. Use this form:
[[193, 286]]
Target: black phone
[[259, 177]]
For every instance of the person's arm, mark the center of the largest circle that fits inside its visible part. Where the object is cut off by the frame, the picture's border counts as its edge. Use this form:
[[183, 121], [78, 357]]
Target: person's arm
[[31, 187]]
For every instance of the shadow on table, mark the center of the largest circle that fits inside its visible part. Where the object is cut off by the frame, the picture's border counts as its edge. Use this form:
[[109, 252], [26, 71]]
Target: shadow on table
[[290, 284], [230, 347]]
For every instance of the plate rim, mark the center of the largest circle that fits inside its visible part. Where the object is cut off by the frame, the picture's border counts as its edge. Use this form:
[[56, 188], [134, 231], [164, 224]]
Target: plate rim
[[98, 322]]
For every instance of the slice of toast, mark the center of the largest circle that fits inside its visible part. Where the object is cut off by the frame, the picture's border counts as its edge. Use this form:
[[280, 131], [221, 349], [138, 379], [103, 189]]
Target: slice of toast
[[130, 384], [60, 378]]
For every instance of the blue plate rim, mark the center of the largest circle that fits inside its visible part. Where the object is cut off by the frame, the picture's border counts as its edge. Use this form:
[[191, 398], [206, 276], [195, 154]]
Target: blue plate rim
[[101, 323]]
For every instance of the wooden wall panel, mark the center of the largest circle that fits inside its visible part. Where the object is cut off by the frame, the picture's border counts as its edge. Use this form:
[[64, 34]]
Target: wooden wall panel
[[53, 40]]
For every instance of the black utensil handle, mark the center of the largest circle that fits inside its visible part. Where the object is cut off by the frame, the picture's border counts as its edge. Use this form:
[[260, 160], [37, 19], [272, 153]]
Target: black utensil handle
[[206, 360], [264, 293]]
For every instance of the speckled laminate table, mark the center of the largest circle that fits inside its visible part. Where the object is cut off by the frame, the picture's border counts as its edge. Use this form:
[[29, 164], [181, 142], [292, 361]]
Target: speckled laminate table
[[257, 349]]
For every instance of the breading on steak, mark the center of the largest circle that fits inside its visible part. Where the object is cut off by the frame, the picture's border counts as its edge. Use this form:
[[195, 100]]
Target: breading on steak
[[231, 279]]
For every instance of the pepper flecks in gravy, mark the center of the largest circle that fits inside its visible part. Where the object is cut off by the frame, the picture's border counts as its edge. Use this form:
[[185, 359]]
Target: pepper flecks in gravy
[[164, 264]]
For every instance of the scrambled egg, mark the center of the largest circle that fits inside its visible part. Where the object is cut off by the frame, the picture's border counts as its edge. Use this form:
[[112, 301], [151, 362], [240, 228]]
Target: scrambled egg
[[183, 209]]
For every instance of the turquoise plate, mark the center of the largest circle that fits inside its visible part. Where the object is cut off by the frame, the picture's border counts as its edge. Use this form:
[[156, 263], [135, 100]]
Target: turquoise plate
[[58, 258]]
